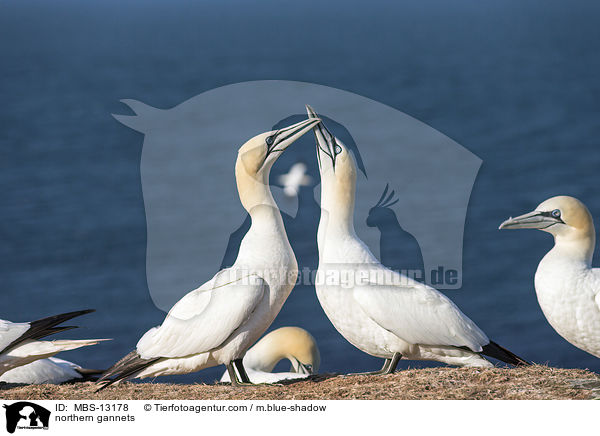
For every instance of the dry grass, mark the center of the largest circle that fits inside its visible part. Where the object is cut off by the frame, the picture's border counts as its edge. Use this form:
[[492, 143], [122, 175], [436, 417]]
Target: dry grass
[[533, 383]]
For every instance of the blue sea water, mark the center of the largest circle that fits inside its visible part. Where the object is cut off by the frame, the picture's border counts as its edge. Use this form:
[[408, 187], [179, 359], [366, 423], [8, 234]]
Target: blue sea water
[[514, 82]]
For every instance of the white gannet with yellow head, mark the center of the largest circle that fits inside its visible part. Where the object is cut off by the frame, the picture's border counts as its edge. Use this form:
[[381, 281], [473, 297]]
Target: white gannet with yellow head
[[567, 287], [291, 343], [216, 323], [380, 311]]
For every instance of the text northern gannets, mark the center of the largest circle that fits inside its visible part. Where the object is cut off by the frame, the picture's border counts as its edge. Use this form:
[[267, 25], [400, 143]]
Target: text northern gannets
[[567, 287], [291, 343], [216, 323], [384, 314], [20, 344]]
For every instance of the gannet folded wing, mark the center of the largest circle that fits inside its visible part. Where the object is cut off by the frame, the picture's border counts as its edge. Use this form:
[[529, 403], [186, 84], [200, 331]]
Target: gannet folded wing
[[212, 325], [33, 350], [419, 315], [51, 370], [10, 332]]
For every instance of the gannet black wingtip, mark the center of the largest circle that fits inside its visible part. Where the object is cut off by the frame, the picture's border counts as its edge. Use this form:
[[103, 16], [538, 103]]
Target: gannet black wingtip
[[498, 352], [46, 326]]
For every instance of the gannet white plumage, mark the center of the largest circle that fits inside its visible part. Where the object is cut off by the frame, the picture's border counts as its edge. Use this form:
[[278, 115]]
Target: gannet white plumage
[[295, 178], [380, 311], [567, 287], [48, 371], [20, 344], [216, 323], [291, 343]]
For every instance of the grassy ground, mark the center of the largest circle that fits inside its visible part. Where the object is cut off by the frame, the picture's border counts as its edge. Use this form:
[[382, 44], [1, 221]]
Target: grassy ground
[[533, 383]]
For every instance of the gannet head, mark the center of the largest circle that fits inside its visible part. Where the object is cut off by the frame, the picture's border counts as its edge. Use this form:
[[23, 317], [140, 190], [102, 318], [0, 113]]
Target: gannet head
[[257, 155], [566, 218], [562, 215], [336, 163], [292, 343]]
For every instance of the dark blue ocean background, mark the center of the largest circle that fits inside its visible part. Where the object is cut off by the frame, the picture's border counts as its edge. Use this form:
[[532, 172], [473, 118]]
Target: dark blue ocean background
[[515, 82]]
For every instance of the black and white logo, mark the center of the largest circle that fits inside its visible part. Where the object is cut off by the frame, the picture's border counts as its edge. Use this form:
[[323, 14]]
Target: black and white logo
[[26, 415]]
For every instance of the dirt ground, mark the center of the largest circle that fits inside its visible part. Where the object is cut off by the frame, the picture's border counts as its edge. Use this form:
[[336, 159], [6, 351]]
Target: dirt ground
[[533, 383]]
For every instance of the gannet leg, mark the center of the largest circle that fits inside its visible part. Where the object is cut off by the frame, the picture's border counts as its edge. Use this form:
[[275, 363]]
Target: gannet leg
[[393, 363], [243, 379], [389, 366], [242, 371]]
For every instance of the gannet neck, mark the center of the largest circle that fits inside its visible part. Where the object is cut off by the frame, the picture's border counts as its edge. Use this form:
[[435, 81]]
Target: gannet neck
[[337, 201], [253, 187], [577, 246], [322, 231], [256, 197], [263, 356], [574, 234], [292, 343]]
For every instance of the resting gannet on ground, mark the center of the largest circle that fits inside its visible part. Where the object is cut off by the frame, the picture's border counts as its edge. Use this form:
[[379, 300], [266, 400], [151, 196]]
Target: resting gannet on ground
[[380, 311], [49, 371], [216, 323], [19, 344], [567, 287], [295, 178], [291, 343]]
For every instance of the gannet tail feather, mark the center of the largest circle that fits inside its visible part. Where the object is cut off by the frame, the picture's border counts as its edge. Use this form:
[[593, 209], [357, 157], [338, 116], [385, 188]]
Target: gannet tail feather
[[45, 327], [497, 352], [127, 367]]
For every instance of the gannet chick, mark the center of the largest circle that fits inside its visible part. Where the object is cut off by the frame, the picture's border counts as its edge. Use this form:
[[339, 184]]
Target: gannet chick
[[380, 311], [295, 178], [567, 287], [49, 371], [19, 344], [291, 343], [216, 323]]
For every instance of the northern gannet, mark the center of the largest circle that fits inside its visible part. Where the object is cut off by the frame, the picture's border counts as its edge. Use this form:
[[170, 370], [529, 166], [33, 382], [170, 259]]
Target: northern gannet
[[295, 178], [49, 371], [19, 344], [216, 323], [380, 311], [291, 343], [567, 287]]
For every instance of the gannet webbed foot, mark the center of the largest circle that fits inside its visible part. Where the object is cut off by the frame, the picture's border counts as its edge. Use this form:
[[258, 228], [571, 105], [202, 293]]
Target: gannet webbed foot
[[389, 366]]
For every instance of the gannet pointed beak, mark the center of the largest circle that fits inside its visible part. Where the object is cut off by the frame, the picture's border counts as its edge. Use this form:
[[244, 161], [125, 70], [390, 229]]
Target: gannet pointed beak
[[532, 220], [305, 369], [326, 142], [301, 368], [283, 138]]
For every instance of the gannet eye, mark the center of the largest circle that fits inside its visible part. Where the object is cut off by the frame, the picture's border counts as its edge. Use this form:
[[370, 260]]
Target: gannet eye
[[269, 140], [338, 149], [556, 213]]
